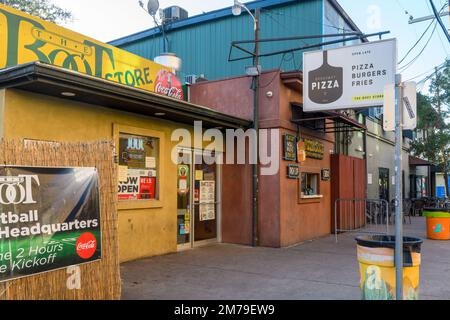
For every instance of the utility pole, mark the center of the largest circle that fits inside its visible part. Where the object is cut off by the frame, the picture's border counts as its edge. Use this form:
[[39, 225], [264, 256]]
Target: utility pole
[[436, 15], [398, 259], [256, 82], [256, 73]]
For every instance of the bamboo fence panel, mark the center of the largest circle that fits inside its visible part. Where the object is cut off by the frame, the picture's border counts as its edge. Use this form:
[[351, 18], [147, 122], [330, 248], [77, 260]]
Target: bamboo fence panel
[[99, 279]]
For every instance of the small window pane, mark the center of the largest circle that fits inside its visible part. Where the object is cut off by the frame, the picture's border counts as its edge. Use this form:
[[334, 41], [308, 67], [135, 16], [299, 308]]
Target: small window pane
[[310, 184], [139, 161]]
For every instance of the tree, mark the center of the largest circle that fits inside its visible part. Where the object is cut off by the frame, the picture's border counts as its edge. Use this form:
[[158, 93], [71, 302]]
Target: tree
[[40, 8], [433, 142]]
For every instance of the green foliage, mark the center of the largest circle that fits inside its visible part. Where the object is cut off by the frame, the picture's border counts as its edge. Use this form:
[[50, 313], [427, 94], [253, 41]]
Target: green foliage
[[40, 8], [433, 129], [440, 90]]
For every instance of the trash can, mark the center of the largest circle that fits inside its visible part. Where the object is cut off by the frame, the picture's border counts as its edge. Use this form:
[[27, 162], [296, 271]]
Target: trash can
[[377, 268], [438, 223]]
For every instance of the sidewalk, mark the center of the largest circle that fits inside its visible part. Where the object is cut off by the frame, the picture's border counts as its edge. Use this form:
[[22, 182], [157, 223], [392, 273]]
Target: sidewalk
[[318, 269]]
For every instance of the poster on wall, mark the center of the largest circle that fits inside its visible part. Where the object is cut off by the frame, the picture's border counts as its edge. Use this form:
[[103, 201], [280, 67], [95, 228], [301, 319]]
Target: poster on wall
[[49, 219], [207, 207], [140, 185], [348, 77], [289, 147]]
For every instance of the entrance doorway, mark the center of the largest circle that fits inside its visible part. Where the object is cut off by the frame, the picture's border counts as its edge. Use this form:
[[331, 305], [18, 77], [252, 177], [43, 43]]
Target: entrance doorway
[[198, 199], [383, 184]]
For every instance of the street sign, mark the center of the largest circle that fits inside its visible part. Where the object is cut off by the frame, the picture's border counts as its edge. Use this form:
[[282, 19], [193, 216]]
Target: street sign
[[348, 77], [409, 105]]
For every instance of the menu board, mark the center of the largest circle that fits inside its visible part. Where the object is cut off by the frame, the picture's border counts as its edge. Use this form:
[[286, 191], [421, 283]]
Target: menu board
[[207, 207]]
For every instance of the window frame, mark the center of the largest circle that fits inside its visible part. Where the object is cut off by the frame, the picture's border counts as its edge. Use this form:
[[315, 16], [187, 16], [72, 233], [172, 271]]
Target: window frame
[[310, 199], [138, 131]]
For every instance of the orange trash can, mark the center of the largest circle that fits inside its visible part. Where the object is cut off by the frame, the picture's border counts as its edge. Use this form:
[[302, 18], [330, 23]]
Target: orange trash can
[[438, 223]]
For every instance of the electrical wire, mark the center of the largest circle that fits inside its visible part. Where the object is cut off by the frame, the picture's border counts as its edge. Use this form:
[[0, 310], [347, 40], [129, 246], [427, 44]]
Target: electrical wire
[[409, 64], [276, 73], [417, 42], [439, 20], [427, 72], [421, 37]]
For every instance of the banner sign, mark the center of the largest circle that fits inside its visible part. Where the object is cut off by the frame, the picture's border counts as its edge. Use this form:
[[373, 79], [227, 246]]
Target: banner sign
[[49, 219], [32, 39], [348, 77]]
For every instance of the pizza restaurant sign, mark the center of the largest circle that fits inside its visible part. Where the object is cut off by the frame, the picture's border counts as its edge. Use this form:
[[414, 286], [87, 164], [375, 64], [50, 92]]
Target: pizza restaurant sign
[[32, 39]]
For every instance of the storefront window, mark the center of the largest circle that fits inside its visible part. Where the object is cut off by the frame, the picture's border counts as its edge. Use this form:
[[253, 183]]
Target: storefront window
[[310, 185], [138, 167]]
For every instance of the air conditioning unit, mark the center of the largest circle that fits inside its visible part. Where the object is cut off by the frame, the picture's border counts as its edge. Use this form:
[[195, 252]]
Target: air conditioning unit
[[172, 14], [191, 79]]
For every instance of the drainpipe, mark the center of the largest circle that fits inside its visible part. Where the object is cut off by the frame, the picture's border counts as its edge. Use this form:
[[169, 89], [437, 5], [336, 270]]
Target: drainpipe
[[255, 238]]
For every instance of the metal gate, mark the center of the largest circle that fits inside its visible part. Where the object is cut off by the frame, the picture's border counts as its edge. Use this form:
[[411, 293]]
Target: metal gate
[[372, 216]]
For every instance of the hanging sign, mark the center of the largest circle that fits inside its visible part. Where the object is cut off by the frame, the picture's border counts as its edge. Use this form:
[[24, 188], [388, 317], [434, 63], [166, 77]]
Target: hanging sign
[[348, 77], [49, 219], [29, 39], [301, 151]]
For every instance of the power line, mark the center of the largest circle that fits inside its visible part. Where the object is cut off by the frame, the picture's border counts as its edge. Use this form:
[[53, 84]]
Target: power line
[[439, 20], [417, 42], [421, 37], [409, 64], [426, 72]]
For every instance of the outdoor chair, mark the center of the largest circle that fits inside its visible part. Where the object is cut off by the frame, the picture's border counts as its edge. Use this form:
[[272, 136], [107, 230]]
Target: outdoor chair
[[417, 207], [407, 204]]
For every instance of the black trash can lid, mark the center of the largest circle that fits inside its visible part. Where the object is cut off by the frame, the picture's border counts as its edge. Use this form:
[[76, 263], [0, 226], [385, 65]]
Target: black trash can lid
[[388, 241]]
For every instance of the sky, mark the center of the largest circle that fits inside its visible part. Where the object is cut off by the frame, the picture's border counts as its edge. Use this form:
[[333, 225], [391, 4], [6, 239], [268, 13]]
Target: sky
[[107, 20]]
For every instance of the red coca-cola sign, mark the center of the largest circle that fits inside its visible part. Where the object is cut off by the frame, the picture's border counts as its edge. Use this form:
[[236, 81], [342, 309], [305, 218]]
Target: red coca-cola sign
[[167, 84], [86, 245]]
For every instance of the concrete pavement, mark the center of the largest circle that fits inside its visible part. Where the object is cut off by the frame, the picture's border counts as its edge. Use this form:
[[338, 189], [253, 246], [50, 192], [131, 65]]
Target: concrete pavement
[[319, 269]]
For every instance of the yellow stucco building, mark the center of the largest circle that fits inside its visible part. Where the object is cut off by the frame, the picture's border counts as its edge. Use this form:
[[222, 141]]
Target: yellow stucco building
[[41, 109]]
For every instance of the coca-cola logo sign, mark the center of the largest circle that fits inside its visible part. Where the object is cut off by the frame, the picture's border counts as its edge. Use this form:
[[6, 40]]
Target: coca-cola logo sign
[[168, 84], [86, 245]]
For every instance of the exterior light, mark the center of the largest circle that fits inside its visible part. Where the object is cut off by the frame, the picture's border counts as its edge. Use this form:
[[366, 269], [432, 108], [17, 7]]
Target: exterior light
[[68, 94], [237, 10], [160, 114]]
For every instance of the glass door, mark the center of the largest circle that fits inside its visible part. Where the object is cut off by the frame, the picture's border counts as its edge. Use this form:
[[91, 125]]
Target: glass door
[[184, 200], [197, 201], [384, 184], [205, 201]]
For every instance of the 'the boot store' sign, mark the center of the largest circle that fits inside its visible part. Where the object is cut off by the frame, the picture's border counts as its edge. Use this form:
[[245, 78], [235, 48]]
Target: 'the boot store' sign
[[25, 38], [348, 77]]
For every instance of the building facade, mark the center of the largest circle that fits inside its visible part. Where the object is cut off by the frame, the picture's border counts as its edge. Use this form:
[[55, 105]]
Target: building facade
[[167, 197], [212, 34]]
